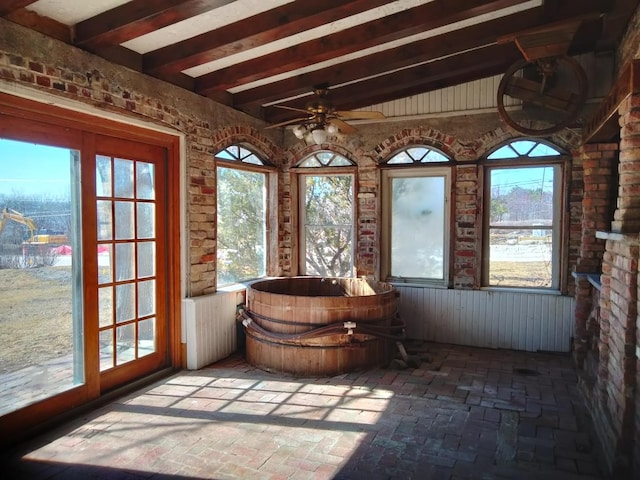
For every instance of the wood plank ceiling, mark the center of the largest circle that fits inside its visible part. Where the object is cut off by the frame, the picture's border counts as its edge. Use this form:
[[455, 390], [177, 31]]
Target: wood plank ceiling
[[251, 54]]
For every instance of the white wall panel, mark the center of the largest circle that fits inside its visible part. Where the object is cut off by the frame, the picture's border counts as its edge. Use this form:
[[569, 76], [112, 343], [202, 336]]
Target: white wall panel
[[480, 95], [483, 318], [209, 328]]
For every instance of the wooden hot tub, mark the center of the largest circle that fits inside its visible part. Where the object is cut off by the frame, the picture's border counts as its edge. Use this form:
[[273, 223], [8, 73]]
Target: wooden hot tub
[[313, 326]]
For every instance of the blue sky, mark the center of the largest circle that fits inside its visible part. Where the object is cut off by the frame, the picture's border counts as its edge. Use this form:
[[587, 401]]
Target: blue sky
[[30, 169]]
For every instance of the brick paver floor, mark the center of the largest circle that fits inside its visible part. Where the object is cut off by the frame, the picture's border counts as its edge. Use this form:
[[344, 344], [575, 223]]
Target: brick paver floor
[[464, 413]]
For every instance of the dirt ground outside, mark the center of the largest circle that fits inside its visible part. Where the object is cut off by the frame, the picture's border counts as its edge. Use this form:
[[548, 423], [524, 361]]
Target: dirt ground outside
[[35, 316]]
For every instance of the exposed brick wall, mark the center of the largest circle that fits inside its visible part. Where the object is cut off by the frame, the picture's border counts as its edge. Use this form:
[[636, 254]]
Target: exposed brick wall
[[576, 194], [52, 67], [467, 227], [618, 306], [592, 177], [58, 69], [598, 163]]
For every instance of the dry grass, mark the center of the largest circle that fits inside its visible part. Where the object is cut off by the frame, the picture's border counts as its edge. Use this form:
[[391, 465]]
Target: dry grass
[[36, 316], [521, 274]]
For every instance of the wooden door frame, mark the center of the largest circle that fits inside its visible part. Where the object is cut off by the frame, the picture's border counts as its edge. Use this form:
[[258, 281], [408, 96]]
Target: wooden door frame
[[74, 128]]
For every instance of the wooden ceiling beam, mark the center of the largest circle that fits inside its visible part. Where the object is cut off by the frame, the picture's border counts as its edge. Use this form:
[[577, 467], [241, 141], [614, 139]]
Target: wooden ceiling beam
[[469, 66], [45, 25], [400, 57], [137, 18], [421, 51], [393, 27], [252, 32], [8, 6]]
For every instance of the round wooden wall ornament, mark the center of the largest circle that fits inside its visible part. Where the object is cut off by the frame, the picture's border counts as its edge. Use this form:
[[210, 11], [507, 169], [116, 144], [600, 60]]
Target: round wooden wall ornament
[[556, 86]]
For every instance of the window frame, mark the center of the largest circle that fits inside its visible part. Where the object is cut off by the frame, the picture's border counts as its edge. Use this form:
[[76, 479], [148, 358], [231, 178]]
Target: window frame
[[389, 171], [299, 200], [560, 232], [270, 174]]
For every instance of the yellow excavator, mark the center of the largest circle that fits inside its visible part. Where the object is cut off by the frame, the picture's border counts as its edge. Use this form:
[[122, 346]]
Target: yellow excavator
[[34, 238]]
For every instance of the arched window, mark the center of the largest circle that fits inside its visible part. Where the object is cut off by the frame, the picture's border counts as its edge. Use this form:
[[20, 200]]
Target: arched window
[[242, 214], [326, 186], [416, 155], [523, 215], [415, 216]]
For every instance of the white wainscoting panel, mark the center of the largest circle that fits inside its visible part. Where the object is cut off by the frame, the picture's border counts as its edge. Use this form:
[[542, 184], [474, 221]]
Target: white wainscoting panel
[[209, 328], [484, 318]]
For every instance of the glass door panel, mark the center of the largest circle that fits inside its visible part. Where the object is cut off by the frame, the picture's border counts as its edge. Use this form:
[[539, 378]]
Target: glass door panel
[[41, 332], [126, 232]]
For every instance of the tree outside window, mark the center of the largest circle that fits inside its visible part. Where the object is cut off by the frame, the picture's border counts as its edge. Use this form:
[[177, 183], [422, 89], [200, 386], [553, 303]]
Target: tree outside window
[[326, 212], [241, 214]]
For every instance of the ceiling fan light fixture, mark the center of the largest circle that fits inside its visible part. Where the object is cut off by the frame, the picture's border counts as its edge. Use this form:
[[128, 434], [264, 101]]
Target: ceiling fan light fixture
[[319, 135], [331, 129], [299, 131]]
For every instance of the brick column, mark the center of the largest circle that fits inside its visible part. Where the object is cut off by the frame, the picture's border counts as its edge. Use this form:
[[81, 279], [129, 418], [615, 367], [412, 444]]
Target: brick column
[[367, 248], [287, 242], [597, 162], [619, 311], [576, 195], [467, 228]]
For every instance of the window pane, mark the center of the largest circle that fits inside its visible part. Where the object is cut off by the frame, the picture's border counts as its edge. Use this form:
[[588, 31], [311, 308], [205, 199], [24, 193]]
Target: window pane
[[503, 152], [242, 213], [105, 300], [146, 220], [146, 259], [543, 150], [311, 162], [103, 176], [124, 220], [434, 156], [520, 258], [417, 153], [523, 146], [328, 251], [146, 337], [125, 302], [123, 178], [146, 298], [522, 224], [124, 261], [329, 225], [400, 158], [125, 343], [105, 224], [104, 264], [145, 188], [522, 196], [106, 349], [417, 227], [41, 332]]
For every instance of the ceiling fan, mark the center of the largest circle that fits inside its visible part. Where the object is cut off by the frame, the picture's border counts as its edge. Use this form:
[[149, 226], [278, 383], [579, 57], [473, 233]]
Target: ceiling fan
[[322, 119]]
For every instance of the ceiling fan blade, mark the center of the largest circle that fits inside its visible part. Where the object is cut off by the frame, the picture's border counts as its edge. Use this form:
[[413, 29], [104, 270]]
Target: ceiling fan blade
[[353, 114], [289, 122], [291, 108], [344, 127]]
